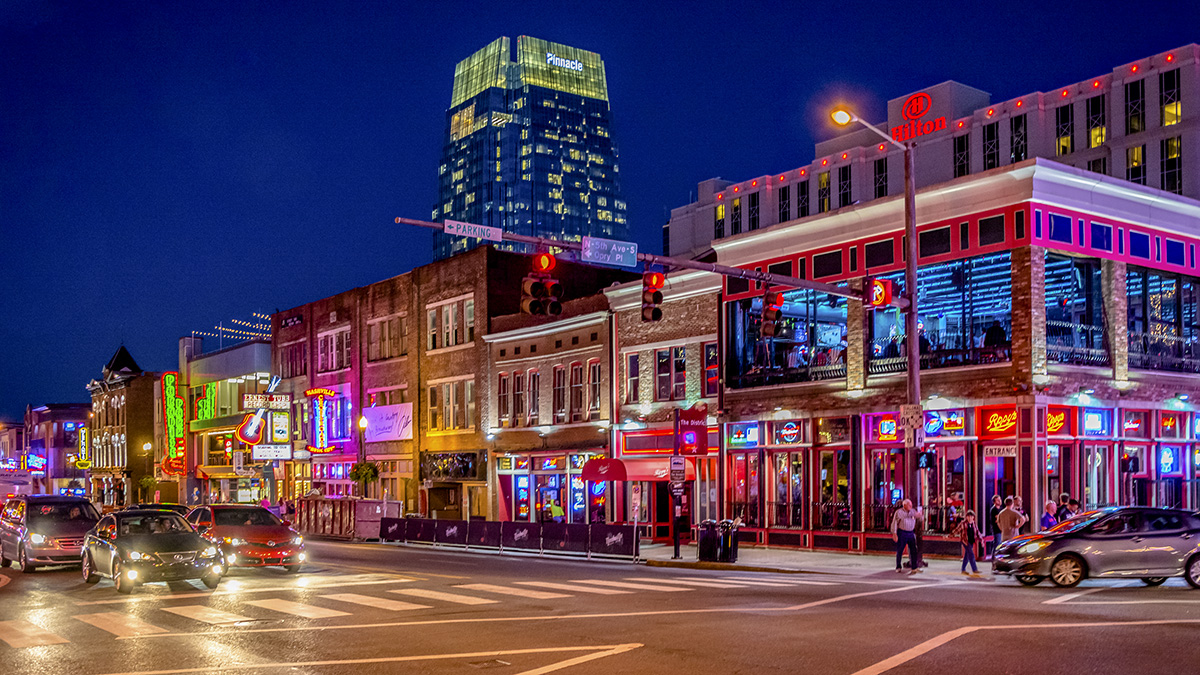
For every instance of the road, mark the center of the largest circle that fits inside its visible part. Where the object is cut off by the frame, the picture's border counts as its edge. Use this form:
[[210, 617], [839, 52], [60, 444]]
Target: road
[[380, 609]]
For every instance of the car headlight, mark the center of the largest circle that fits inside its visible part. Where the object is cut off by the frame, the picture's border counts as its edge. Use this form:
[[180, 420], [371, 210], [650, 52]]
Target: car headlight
[[298, 540], [234, 541], [1033, 547], [138, 555], [38, 539], [209, 552]]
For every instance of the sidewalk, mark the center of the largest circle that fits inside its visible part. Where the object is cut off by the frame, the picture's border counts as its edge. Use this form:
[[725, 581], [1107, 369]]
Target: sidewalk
[[799, 561]]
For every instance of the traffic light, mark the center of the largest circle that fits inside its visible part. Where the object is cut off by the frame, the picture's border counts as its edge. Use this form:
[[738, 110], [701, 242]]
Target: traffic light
[[543, 263], [540, 293], [652, 297], [772, 314]]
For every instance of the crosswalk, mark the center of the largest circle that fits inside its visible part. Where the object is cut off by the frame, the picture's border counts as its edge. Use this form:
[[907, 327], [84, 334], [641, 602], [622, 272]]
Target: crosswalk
[[127, 624]]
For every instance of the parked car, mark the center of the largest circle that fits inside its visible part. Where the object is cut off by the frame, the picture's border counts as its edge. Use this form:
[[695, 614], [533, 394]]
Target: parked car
[[139, 546], [250, 536], [161, 506], [37, 530], [1146, 543]]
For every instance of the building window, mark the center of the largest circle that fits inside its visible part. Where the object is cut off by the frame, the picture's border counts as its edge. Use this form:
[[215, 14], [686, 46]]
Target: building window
[[1074, 300], [666, 240], [435, 402], [662, 375], [1171, 164], [595, 386], [991, 145], [632, 378], [1135, 164], [670, 374], [1098, 165], [962, 155], [1135, 107], [293, 360], [469, 319], [386, 338], [823, 192], [881, 186], [559, 386], [753, 214], [844, 191], [452, 397], [719, 222], [736, 216], [1064, 130], [1018, 139], [1162, 331], [576, 392], [518, 389], [802, 200], [712, 371], [469, 400], [1168, 97], [433, 330], [502, 400], [535, 391], [785, 203], [333, 351], [1097, 121], [387, 397]]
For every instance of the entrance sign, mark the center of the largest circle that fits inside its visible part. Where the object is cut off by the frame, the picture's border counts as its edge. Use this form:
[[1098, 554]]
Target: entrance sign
[[609, 252], [1000, 451], [460, 229]]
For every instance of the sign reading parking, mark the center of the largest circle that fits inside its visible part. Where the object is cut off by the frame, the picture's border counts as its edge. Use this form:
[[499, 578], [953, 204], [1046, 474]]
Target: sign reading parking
[[460, 229], [609, 252]]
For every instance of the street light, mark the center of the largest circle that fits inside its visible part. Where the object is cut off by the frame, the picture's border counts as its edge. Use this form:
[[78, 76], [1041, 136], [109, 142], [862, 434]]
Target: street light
[[843, 116], [362, 435]]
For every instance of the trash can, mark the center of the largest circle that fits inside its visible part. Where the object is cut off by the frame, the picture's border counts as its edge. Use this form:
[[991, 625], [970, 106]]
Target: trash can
[[709, 544], [729, 542]]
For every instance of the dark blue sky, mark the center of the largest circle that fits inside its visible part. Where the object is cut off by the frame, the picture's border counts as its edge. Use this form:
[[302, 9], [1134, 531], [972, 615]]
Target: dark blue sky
[[165, 166]]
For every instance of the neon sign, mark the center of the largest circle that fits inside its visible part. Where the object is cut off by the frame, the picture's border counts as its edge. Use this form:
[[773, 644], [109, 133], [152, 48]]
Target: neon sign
[[887, 429], [83, 443], [1055, 421], [35, 463], [1167, 461], [174, 419], [1001, 422], [914, 109], [206, 405], [321, 411], [789, 432], [881, 292]]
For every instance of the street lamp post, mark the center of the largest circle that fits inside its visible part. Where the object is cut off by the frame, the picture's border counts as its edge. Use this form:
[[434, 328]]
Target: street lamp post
[[843, 117]]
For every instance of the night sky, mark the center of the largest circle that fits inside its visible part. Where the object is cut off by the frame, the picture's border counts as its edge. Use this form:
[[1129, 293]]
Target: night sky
[[165, 166]]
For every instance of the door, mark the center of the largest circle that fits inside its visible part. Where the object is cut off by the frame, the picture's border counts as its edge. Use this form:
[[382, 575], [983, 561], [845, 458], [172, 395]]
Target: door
[[887, 486], [833, 485], [102, 547], [1099, 469], [1166, 542], [999, 478], [9, 524], [1115, 544]]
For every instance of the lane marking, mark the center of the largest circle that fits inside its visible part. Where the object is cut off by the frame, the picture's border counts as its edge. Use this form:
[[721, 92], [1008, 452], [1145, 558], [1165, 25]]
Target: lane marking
[[573, 588], [447, 597], [297, 608], [205, 614], [382, 570], [27, 634], [119, 624], [605, 650], [518, 592], [939, 640], [852, 596], [786, 582], [635, 587], [1059, 599], [372, 601], [242, 591], [619, 649], [688, 582]]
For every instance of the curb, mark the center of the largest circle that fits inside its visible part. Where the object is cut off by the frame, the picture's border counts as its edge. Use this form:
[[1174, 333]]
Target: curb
[[729, 567]]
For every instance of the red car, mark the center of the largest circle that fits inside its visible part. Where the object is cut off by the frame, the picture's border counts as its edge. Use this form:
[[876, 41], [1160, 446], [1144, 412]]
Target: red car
[[249, 536]]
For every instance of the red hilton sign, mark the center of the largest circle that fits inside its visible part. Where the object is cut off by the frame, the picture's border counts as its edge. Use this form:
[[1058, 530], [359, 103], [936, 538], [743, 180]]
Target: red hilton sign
[[914, 109]]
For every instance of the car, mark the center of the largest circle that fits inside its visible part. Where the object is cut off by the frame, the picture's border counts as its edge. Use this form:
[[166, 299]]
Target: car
[[38, 530], [250, 536], [162, 506], [1151, 544], [134, 547]]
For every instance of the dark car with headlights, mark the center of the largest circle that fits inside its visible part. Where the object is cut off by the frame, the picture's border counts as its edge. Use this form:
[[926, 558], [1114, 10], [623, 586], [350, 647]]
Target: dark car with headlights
[[1127, 542], [37, 530], [139, 546], [250, 536]]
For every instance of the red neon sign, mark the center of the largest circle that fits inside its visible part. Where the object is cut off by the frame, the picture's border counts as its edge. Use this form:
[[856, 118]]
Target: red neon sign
[[1056, 420], [997, 422], [915, 107], [881, 292]]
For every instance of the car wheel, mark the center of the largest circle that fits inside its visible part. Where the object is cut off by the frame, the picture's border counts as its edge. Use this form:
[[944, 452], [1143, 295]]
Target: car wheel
[[89, 573], [292, 569], [1067, 571], [1029, 579], [1153, 581], [1192, 571], [23, 561], [4, 561], [123, 583], [211, 580]]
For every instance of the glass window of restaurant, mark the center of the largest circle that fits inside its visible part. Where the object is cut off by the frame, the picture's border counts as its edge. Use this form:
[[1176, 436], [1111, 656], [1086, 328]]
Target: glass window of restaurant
[[1074, 311], [965, 313], [809, 342], [1163, 330], [887, 467], [1109, 482], [944, 468], [787, 487], [744, 473], [833, 508]]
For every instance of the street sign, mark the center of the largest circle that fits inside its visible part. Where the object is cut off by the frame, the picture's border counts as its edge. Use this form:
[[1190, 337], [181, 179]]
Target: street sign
[[460, 229], [609, 252], [635, 497], [272, 451], [678, 468], [912, 416], [677, 490], [693, 430]]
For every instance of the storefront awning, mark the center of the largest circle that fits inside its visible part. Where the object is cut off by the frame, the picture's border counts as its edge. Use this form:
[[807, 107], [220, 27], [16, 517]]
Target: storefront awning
[[650, 469], [217, 471]]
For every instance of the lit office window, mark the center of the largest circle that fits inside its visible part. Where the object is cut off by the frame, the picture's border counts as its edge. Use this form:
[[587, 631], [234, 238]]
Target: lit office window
[[736, 216], [823, 192], [1135, 164], [1097, 121], [1168, 97], [1171, 164], [719, 222], [1064, 130]]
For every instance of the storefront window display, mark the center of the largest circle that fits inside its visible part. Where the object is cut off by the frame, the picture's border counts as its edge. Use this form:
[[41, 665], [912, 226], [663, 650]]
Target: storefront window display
[[1135, 424], [809, 341], [1074, 317], [532, 486]]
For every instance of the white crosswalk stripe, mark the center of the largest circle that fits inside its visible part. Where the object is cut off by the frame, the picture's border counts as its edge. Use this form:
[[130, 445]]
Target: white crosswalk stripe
[[635, 587], [120, 624], [297, 608], [688, 582], [371, 601], [446, 597], [206, 614], [743, 583], [782, 582], [27, 634], [508, 590], [573, 588]]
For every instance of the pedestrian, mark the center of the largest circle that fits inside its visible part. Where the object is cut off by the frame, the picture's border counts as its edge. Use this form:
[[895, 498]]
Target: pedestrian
[[1010, 521], [1060, 514], [556, 512], [994, 526], [1073, 508], [904, 524], [1049, 520], [919, 535], [970, 538], [1019, 506]]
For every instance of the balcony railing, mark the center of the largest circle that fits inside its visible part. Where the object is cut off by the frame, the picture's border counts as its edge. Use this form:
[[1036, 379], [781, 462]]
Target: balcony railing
[[786, 514], [1076, 343], [763, 376], [938, 350], [1163, 352]]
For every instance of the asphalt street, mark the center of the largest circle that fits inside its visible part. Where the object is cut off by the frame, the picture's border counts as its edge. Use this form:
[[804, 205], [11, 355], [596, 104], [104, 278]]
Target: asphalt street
[[381, 609]]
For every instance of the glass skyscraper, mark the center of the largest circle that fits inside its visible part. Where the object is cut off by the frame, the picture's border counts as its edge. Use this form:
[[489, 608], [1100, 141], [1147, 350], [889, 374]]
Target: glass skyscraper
[[528, 146]]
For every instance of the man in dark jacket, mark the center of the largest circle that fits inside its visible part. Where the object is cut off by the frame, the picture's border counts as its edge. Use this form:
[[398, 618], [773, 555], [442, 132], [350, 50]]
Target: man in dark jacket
[[993, 527]]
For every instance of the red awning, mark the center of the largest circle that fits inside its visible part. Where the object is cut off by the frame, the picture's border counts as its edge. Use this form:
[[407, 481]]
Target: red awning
[[649, 469]]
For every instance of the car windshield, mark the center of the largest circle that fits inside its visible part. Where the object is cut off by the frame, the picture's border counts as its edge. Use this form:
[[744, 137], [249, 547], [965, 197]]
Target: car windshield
[[41, 513], [244, 517], [162, 522], [1077, 523]]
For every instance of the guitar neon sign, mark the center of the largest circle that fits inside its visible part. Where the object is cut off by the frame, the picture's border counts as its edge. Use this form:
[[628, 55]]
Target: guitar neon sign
[[321, 419]]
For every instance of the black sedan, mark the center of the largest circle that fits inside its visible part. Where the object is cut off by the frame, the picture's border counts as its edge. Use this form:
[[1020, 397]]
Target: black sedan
[[137, 546], [1138, 542], [160, 506]]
